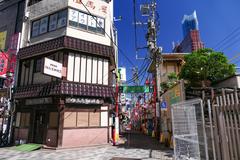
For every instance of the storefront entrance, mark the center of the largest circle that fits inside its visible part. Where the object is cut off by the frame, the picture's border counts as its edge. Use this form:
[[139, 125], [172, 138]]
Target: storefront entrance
[[40, 125]]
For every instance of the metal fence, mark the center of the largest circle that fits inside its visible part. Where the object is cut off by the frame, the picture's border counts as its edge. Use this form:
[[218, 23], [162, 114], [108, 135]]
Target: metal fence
[[189, 133]]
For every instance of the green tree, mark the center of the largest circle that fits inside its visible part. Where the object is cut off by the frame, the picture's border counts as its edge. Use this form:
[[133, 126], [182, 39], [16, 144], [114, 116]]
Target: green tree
[[204, 66]]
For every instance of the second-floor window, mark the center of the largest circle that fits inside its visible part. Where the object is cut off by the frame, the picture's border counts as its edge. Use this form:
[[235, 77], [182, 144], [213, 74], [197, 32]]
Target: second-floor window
[[87, 22], [49, 23]]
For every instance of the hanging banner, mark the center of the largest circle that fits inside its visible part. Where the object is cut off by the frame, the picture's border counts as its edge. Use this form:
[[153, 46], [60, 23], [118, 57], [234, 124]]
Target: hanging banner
[[3, 36], [15, 43], [3, 64]]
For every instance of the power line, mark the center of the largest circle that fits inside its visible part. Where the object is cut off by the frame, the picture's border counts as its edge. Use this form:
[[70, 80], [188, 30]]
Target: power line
[[119, 49], [226, 38], [143, 70]]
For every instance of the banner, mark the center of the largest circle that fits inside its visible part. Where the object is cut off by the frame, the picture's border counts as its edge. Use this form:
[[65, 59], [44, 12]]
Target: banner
[[3, 36]]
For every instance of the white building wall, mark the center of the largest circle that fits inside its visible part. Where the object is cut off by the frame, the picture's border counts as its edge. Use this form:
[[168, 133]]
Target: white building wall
[[95, 10]]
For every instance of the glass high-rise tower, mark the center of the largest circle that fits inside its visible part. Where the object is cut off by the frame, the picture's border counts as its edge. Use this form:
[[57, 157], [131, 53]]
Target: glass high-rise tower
[[189, 22]]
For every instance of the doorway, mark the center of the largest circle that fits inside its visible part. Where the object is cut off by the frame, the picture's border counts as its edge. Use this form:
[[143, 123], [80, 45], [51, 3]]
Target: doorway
[[40, 126]]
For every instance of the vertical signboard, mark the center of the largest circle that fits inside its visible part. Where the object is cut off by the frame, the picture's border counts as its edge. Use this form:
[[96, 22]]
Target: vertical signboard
[[3, 36]]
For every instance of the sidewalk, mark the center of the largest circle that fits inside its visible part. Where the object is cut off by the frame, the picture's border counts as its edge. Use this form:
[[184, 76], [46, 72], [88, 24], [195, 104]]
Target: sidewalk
[[133, 146]]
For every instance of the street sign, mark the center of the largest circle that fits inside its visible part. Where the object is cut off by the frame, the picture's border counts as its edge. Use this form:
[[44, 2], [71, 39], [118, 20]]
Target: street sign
[[164, 105], [134, 89]]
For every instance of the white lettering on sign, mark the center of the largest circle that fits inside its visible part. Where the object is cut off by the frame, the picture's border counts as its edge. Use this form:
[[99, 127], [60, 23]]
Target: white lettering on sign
[[52, 68], [84, 101]]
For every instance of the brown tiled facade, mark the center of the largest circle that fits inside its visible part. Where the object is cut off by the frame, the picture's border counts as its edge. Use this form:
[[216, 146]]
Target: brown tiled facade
[[45, 115]]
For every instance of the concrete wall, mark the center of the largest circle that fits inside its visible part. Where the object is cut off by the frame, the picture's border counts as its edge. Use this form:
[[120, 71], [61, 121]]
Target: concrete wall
[[84, 137], [11, 14], [230, 82], [46, 7]]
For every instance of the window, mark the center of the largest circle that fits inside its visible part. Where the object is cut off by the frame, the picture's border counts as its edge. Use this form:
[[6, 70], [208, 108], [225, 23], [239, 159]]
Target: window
[[87, 69], [49, 23], [43, 25], [73, 17], [70, 119], [92, 23], [86, 21], [82, 119], [62, 19], [90, 118], [100, 25], [94, 118], [35, 28], [82, 20], [38, 65], [53, 22]]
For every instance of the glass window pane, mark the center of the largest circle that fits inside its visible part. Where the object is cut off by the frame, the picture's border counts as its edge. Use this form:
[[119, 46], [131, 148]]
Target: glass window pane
[[94, 119], [62, 19], [100, 25], [92, 23], [82, 20], [70, 119], [77, 68], [35, 28], [82, 119], [94, 71], [83, 69], [53, 22], [100, 71], [105, 72], [70, 67], [43, 25], [73, 17], [89, 69]]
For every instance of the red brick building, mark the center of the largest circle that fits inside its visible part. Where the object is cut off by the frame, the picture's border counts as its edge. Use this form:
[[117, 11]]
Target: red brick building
[[192, 42]]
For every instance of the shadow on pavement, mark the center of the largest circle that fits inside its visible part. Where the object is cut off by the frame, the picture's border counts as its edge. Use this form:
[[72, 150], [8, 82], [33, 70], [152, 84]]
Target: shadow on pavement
[[137, 140]]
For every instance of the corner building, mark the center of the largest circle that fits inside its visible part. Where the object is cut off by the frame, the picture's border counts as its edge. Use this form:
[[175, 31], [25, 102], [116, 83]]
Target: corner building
[[73, 110]]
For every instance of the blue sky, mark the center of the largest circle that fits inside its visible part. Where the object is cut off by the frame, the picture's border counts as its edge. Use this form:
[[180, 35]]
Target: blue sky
[[217, 19]]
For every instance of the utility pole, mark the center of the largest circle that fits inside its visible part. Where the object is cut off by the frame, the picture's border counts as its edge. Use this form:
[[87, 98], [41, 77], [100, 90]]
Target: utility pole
[[154, 52]]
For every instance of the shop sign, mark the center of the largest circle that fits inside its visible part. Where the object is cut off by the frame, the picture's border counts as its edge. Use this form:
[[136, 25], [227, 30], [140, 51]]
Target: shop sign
[[164, 105], [15, 43], [93, 5], [84, 101], [36, 101], [3, 36], [52, 68]]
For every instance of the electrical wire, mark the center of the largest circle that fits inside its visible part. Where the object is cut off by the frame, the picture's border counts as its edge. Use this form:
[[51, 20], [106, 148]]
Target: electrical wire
[[227, 39], [143, 71]]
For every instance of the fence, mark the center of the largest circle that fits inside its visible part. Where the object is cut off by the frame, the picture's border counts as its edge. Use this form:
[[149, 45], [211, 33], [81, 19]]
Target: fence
[[189, 130], [223, 122], [220, 113]]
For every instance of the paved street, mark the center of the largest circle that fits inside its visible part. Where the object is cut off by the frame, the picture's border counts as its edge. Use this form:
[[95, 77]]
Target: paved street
[[138, 147]]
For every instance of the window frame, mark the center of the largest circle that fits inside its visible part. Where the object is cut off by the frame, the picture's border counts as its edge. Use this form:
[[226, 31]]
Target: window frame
[[98, 30], [48, 23]]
